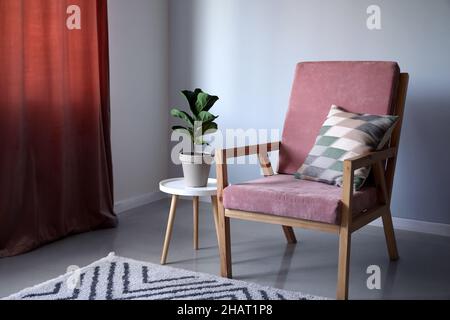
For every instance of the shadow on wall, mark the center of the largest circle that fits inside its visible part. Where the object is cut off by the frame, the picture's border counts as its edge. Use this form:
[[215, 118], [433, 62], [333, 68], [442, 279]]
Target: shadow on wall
[[181, 40], [423, 171]]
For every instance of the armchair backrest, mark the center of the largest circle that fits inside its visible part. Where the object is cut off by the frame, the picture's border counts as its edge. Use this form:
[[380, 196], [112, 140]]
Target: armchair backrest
[[363, 87]]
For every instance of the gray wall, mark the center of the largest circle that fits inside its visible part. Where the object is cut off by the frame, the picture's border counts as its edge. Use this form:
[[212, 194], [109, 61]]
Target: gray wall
[[139, 98], [246, 51]]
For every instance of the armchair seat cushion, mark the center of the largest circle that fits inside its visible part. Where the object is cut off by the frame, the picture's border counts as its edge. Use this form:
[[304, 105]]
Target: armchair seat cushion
[[282, 195]]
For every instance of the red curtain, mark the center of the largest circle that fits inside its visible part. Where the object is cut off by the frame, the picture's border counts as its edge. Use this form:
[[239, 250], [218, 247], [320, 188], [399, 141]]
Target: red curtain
[[55, 154]]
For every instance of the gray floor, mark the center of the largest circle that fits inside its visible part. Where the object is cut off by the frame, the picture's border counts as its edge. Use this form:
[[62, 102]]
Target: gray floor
[[260, 255]]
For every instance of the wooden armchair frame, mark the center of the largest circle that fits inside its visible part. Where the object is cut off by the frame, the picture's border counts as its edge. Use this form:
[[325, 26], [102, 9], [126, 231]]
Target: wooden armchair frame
[[383, 164]]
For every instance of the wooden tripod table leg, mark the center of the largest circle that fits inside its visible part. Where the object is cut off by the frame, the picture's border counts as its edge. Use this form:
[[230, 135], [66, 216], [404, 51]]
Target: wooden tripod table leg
[[173, 208], [195, 207], [216, 215]]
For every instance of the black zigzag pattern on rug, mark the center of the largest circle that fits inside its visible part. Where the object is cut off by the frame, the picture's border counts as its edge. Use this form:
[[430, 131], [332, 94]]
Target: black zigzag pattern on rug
[[118, 278]]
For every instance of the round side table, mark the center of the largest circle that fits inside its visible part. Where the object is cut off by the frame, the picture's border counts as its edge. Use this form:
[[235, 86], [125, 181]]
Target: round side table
[[176, 188]]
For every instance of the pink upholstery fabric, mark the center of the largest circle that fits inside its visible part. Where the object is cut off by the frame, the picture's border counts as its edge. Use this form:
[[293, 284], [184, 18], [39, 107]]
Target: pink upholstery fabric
[[362, 87], [283, 195]]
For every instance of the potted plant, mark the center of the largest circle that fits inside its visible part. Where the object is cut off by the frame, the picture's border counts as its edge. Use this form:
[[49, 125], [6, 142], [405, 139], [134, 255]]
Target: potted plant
[[198, 123]]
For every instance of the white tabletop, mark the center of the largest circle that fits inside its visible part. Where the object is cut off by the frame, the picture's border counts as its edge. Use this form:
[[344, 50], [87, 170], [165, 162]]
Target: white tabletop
[[178, 187]]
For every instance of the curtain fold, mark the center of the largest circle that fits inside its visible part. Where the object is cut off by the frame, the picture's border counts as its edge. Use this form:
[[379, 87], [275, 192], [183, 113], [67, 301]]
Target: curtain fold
[[55, 151]]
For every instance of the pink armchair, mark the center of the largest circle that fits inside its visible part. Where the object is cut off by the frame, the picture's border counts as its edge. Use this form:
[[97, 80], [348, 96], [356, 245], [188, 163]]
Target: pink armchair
[[363, 87]]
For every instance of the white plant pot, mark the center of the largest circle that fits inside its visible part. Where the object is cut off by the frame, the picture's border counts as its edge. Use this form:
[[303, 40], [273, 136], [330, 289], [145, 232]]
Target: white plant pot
[[196, 169]]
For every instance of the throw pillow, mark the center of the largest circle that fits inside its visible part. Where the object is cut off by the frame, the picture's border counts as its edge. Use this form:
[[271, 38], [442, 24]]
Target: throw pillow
[[345, 135]]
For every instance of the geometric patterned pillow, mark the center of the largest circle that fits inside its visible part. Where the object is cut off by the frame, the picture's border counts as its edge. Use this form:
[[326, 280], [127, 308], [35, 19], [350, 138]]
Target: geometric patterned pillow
[[345, 135]]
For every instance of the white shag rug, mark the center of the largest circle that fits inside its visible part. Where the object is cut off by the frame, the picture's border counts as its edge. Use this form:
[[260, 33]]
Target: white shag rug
[[117, 278]]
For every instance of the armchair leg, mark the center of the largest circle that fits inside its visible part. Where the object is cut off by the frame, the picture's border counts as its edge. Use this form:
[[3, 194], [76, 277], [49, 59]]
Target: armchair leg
[[290, 235], [224, 244], [344, 264], [390, 236]]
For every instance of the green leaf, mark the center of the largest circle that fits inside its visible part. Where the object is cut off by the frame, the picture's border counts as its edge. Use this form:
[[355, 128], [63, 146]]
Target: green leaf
[[211, 102], [205, 116], [202, 100], [191, 97], [205, 102], [211, 127], [183, 116]]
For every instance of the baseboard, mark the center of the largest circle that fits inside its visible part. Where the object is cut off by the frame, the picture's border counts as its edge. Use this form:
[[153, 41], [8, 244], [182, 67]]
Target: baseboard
[[440, 229], [135, 202], [139, 201]]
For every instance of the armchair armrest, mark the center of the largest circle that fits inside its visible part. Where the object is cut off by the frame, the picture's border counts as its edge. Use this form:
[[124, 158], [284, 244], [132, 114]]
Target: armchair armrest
[[223, 154], [374, 159], [371, 158]]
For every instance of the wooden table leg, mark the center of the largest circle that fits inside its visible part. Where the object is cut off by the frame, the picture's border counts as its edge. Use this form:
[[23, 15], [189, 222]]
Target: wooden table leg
[[216, 215], [173, 208], [196, 205]]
